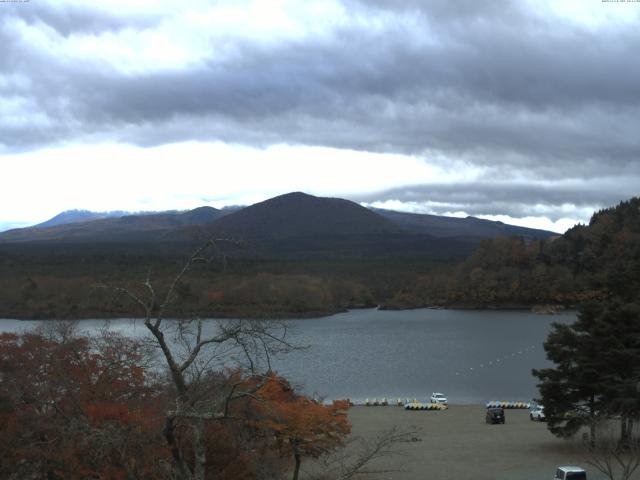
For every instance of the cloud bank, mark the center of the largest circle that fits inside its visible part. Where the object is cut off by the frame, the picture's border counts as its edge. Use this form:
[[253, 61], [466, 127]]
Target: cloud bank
[[529, 109]]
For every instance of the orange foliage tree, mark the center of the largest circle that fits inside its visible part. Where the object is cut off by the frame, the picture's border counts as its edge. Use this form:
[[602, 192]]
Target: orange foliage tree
[[76, 409], [302, 426], [79, 408]]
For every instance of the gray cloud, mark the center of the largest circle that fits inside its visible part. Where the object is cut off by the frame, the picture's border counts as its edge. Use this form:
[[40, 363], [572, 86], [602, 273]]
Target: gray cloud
[[512, 199], [73, 19], [486, 83], [443, 9]]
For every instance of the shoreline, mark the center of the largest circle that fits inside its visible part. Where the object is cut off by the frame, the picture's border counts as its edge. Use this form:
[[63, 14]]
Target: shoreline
[[93, 315]]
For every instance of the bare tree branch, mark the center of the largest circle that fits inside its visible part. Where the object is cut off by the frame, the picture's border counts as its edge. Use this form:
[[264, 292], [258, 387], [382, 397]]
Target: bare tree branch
[[615, 459], [190, 353], [359, 454]]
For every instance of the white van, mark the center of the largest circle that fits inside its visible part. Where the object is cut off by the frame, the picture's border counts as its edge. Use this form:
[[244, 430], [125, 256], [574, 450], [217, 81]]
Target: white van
[[570, 473]]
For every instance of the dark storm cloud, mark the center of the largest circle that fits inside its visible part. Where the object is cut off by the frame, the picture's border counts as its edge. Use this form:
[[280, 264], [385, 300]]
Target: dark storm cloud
[[513, 199], [485, 83]]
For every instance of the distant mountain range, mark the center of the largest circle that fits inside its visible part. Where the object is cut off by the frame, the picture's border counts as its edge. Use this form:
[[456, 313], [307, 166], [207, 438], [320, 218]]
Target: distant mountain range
[[79, 216], [292, 223], [83, 226]]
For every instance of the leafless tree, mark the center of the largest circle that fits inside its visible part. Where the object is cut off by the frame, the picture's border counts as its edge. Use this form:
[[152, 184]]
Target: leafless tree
[[194, 351], [359, 456], [608, 454]]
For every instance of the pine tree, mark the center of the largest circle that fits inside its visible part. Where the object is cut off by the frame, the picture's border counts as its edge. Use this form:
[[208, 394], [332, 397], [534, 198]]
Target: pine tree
[[571, 392], [597, 369]]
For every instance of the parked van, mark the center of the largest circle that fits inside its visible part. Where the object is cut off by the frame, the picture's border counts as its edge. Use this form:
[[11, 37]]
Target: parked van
[[570, 473]]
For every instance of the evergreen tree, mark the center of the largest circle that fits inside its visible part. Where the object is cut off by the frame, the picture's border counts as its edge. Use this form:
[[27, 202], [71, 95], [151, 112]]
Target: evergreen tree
[[571, 391], [597, 368]]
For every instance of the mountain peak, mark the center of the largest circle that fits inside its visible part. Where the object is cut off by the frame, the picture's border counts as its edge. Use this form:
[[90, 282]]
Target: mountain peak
[[299, 214], [295, 195]]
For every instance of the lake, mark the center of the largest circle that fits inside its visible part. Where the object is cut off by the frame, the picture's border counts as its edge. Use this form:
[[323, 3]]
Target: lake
[[471, 356]]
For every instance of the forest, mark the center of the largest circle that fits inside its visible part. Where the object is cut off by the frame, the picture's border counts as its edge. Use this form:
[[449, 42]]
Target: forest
[[581, 265], [506, 272], [591, 391]]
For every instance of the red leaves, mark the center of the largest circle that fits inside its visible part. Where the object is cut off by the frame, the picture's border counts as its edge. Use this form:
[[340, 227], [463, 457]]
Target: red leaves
[[300, 423], [74, 410], [100, 413], [83, 408]]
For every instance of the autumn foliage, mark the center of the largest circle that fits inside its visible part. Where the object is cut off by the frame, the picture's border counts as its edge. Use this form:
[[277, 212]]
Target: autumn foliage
[[302, 426], [89, 408], [75, 410]]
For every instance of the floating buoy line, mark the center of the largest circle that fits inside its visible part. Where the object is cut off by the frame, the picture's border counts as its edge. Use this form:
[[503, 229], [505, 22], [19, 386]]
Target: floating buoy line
[[495, 362], [414, 404]]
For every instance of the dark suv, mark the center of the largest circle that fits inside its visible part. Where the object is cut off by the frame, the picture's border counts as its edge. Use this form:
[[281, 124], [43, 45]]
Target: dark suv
[[495, 415]]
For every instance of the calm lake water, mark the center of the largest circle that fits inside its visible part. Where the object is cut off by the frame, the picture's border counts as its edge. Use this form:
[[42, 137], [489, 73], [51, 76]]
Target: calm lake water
[[470, 356]]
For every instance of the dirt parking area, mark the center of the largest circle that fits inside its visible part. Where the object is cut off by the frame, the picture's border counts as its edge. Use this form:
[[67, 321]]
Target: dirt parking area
[[458, 444]]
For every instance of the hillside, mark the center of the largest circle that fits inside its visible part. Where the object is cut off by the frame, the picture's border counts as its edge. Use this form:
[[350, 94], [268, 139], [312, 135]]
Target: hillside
[[300, 215], [297, 225], [472, 227], [585, 263]]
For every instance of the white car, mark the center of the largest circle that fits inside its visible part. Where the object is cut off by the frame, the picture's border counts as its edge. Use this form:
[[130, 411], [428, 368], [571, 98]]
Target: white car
[[570, 473], [537, 413], [438, 398]]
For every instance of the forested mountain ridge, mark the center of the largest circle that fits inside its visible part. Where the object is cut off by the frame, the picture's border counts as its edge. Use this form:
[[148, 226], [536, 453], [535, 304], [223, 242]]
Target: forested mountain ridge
[[300, 218], [318, 274], [470, 227], [608, 249], [584, 263]]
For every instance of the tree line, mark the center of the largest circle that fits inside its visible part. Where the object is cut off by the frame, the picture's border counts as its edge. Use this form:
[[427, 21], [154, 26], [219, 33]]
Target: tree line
[[574, 268], [508, 271]]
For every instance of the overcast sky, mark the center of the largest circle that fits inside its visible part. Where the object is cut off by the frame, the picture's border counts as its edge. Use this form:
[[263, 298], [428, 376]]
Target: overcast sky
[[526, 112]]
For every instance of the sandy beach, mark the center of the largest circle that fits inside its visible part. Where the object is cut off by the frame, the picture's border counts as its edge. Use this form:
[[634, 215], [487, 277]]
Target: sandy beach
[[458, 444]]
